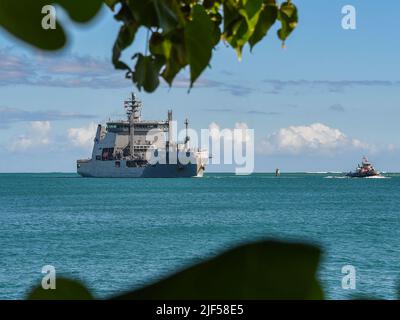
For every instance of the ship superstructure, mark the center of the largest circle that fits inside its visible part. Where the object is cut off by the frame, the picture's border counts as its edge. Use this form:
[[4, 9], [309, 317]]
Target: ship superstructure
[[135, 148]]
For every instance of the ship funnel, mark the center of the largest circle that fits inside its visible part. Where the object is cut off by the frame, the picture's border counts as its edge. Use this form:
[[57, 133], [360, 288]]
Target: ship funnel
[[96, 140]]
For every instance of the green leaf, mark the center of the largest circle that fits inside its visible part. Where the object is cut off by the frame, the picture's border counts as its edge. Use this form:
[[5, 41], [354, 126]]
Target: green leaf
[[111, 3], [65, 290], [147, 70], [260, 270], [199, 41], [81, 11], [266, 19], [160, 45], [178, 58], [288, 17], [125, 37], [125, 14], [240, 35], [155, 13], [216, 37], [173, 64], [23, 19], [242, 18], [144, 12], [167, 18], [231, 15], [26, 24], [208, 4], [288, 9], [250, 10]]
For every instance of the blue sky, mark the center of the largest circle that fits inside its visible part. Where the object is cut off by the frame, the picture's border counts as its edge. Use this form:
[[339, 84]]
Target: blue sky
[[320, 104]]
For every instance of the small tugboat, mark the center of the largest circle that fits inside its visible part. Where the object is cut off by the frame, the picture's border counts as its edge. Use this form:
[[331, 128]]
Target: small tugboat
[[364, 170]]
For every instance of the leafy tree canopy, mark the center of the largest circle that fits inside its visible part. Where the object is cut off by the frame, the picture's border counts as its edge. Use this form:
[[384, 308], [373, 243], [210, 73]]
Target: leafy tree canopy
[[184, 33], [181, 32]]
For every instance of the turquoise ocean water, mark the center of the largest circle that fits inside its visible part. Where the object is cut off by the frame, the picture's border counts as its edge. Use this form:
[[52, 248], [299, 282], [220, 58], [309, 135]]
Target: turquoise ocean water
[[117, 234]]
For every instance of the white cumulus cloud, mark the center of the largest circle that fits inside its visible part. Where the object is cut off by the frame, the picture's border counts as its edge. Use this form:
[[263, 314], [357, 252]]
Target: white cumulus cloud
[[38, 134], [41, 127], [82, 137], [316, 137]]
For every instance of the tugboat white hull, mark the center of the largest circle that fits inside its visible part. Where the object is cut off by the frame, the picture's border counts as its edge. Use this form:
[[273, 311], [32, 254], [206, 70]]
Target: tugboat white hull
[[363, 175]]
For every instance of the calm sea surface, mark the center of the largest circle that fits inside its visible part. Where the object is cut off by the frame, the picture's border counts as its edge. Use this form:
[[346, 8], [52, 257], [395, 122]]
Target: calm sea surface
[[116, 234]]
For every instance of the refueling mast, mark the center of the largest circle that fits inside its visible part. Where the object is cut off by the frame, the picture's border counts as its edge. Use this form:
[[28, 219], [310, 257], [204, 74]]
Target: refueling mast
[[133, 108]]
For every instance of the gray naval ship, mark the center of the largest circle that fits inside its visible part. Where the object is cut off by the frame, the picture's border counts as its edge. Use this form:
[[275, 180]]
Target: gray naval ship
[[136, 148]]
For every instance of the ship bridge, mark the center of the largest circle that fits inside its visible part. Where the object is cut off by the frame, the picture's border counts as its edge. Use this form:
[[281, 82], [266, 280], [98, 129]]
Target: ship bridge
[[141, 126]]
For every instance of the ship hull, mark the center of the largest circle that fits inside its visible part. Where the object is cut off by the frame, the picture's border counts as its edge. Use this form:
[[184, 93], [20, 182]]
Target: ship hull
[[108, 169], [362, 175]]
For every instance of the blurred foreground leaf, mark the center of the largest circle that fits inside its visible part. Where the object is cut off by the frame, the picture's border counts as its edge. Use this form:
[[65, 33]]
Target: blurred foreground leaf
[[23, 19], [66, 289], [198, 39], [260, 270]]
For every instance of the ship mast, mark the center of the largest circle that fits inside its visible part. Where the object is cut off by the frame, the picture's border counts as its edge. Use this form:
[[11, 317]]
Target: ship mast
[[187, 136], [133, 108]]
